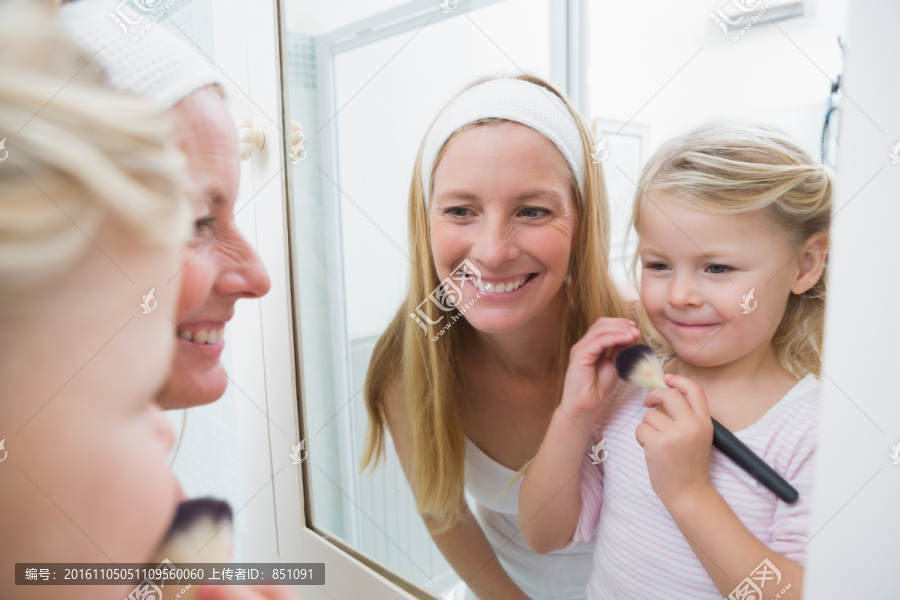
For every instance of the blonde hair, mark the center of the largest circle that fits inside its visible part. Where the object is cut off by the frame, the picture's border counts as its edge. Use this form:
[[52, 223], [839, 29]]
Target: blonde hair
[[430, 372], [735, 168], [79, 155]]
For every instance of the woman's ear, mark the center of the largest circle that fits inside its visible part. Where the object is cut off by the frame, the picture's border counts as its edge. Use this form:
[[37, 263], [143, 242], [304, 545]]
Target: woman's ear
[[811, 262]]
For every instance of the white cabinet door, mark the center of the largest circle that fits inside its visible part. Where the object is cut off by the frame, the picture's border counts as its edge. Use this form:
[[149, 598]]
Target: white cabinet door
[[247, 40]]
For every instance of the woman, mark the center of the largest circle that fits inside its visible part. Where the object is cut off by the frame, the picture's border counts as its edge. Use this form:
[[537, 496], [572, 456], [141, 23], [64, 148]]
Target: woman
[[220, 265], [504, 181]]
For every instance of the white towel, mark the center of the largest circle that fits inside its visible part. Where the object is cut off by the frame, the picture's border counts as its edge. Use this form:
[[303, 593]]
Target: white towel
[[515, 100], [156, 63]]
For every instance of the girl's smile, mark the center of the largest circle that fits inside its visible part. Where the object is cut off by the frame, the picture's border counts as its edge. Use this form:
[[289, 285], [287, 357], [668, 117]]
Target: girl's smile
[[693, 326]]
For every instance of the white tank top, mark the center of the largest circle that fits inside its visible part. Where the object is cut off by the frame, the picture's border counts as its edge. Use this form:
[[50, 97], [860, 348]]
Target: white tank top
[[559, 575]]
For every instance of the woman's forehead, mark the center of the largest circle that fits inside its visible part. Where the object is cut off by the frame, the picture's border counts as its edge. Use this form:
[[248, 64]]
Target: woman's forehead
[[510, 154], [501, 134], [207, 136]]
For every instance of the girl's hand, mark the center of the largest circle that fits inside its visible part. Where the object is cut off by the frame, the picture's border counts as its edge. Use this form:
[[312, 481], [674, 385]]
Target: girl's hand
[[591, 375], [677, 441], [246, 592]]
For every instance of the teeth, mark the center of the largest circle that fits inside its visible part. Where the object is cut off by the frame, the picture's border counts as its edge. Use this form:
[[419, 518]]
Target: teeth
[[500, 288], [204, 336]]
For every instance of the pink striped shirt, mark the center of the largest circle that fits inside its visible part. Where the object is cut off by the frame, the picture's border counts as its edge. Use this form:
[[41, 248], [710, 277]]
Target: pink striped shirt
[[639, 552]]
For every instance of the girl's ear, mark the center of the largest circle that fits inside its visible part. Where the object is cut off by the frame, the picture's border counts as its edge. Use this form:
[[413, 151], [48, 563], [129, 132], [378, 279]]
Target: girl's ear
[[810, 262]]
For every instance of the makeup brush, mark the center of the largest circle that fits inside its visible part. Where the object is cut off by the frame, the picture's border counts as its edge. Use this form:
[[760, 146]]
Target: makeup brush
[[200, 533], [639, 365]]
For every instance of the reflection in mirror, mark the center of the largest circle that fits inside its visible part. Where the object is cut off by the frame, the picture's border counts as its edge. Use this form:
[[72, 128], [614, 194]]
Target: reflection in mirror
[[364, 85], [364, 105]]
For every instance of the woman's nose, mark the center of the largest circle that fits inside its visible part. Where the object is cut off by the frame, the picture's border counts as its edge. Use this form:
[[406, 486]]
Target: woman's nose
[[495, 243], [246, 275]]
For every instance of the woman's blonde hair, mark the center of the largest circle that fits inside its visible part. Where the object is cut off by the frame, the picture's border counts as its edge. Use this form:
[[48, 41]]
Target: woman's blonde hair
[[79, 155], [429, 373], [735, 168]]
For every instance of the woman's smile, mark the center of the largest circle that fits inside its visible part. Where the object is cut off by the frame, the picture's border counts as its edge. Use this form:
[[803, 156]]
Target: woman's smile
[[501, 287], [208, 338]]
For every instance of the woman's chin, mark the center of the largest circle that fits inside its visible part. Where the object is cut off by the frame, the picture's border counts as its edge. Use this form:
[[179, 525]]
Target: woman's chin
[[497, 323], [185, 390]]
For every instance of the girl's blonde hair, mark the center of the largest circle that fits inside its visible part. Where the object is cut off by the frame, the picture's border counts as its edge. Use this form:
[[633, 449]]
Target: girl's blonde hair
[[735, 168], [80, 155], [429, 372]]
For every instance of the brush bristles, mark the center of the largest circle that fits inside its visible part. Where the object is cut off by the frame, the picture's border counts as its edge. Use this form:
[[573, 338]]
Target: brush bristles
[[191, 511], [639, 365], [200, 533]]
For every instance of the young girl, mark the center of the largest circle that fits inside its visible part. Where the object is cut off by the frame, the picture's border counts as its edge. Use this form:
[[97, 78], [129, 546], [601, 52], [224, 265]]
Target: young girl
[[733, 225]]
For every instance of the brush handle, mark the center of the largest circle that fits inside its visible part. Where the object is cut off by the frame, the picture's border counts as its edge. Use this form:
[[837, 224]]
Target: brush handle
[[729, 445]]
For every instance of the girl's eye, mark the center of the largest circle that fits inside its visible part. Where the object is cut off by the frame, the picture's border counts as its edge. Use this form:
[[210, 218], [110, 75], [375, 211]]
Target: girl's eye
[[718, 269], [657, 266], [532, 212], [203, 223]]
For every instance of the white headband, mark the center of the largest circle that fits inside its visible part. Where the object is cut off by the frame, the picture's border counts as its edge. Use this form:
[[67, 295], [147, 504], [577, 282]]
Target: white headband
[[137, 54], [515, 100]]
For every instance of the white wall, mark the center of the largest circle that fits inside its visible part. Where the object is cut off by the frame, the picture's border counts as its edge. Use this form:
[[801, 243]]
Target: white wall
[[316, 17], [638, 47], [856, 521]]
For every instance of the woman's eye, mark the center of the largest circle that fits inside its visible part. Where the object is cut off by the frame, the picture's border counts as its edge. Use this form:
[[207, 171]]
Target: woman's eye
[[457, 211], [532, 212], [203, 223], [718, 269]]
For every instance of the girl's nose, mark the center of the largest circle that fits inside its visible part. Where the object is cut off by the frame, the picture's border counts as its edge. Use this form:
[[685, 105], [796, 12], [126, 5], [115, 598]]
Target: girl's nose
[[683, 291]]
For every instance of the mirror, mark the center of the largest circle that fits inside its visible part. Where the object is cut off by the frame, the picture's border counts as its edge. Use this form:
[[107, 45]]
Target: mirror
[[365, 80]]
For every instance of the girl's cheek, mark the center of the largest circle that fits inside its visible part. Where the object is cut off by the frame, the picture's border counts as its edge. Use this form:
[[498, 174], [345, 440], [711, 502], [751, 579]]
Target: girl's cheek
[[652, 294]]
